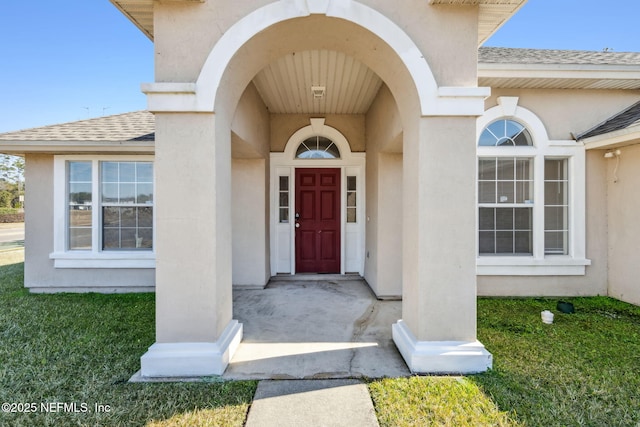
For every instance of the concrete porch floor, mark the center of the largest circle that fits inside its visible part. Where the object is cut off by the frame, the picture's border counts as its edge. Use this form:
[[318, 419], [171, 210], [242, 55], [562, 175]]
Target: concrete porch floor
[[314, 327]]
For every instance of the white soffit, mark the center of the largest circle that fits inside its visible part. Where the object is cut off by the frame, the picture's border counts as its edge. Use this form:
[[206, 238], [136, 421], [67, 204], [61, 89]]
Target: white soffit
[[285, 84], [140, 12], [493, 13]]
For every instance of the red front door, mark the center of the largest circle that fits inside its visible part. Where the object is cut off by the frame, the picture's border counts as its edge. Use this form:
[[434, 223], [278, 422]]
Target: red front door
[[317, 218]]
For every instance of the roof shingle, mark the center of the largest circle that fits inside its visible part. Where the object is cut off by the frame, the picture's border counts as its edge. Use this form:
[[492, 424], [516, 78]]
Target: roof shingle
[[504, 55], [134, 126], [622, 120]]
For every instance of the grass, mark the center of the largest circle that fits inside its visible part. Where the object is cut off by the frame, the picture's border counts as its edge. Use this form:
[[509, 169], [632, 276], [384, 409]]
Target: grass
[[73, 348], [584, 370]]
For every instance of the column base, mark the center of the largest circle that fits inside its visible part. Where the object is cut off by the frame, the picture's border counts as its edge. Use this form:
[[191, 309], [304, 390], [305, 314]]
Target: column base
[[192, 359], [440, 357]]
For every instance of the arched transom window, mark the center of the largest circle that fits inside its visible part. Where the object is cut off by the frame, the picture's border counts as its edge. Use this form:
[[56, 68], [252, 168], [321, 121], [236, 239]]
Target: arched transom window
[[505, 132], [317, 147]]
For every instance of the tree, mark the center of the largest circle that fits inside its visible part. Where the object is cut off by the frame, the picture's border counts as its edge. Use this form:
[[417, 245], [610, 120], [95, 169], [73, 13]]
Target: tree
[[11, 180]]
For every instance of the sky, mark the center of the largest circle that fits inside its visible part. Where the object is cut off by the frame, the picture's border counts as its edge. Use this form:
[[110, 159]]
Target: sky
[[67, 60]]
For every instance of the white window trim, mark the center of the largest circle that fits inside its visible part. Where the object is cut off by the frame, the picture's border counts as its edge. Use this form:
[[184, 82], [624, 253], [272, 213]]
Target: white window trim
[[94, 258], [539, 264]]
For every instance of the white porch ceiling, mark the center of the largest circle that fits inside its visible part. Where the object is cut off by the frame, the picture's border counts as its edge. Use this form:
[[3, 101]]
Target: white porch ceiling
[[285, 84]]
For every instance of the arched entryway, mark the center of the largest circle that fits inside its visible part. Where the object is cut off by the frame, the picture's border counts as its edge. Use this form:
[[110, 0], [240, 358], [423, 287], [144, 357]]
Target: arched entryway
[[195, 126]]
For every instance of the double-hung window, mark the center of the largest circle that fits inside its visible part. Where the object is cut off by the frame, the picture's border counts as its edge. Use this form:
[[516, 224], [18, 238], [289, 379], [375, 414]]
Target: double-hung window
[[530, 193], [104, 212]]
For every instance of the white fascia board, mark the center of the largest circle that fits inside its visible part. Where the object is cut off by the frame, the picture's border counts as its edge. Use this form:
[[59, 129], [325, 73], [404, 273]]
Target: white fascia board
[[559, 71], [89, 147], [617, 138]]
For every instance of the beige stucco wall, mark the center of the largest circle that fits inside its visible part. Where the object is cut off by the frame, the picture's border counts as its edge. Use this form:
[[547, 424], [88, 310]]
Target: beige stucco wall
[[250, 222], [352, 126], [250, 127], [624, 226], [452, 55], [565, 111], [39, 272], [250, 190], [383, 259]]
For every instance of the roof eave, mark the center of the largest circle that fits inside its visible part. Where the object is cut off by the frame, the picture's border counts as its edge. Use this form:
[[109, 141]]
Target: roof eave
[[553, 71], [618, 138], [20, 148]]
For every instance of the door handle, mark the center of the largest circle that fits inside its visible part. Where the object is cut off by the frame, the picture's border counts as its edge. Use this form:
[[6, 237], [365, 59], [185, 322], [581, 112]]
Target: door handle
[[297, 225]]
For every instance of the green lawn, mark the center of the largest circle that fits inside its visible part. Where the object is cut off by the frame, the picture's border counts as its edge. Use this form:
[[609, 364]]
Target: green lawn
[[582, 370]]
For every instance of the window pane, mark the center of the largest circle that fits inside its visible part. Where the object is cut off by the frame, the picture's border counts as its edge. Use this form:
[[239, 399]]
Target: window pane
[[523, 169], [504, 219], [144, 193], [555, 170], [317, 147], [486, 220], [284, 200], [80, 238], [145, 238], [111, 216], [80, 193], [524, 192], [144, 172], [109, 171], [554, 218], [507, 133], [487, 192], [79, 171], [79, 214], [351, 183], [506, 169], [505, 192], [351, 214], [555, 193], [127, 172], [351, 199], [555, 242], [127, 193], [128, 217], [504, 242], [486, 242], [284, 215], [556, 210], [109, 193], [145, 217], [487, 169], [284, 183], [523, 242], [523, 219], [111, 238]]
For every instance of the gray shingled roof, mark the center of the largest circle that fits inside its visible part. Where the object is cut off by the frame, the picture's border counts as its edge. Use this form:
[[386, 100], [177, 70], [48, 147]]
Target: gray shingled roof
[[622, 120], [135, 126], [504, 55]]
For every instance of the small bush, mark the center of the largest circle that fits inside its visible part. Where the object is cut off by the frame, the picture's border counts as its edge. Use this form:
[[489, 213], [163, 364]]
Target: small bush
[[9, 215]]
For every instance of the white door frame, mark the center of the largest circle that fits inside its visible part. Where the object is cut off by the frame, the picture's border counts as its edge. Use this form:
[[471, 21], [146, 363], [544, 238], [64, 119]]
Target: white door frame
[[352, 235]]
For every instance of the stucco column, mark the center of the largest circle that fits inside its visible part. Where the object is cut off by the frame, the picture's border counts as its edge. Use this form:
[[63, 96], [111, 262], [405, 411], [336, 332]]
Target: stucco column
[[438, 329], [195, 334]]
